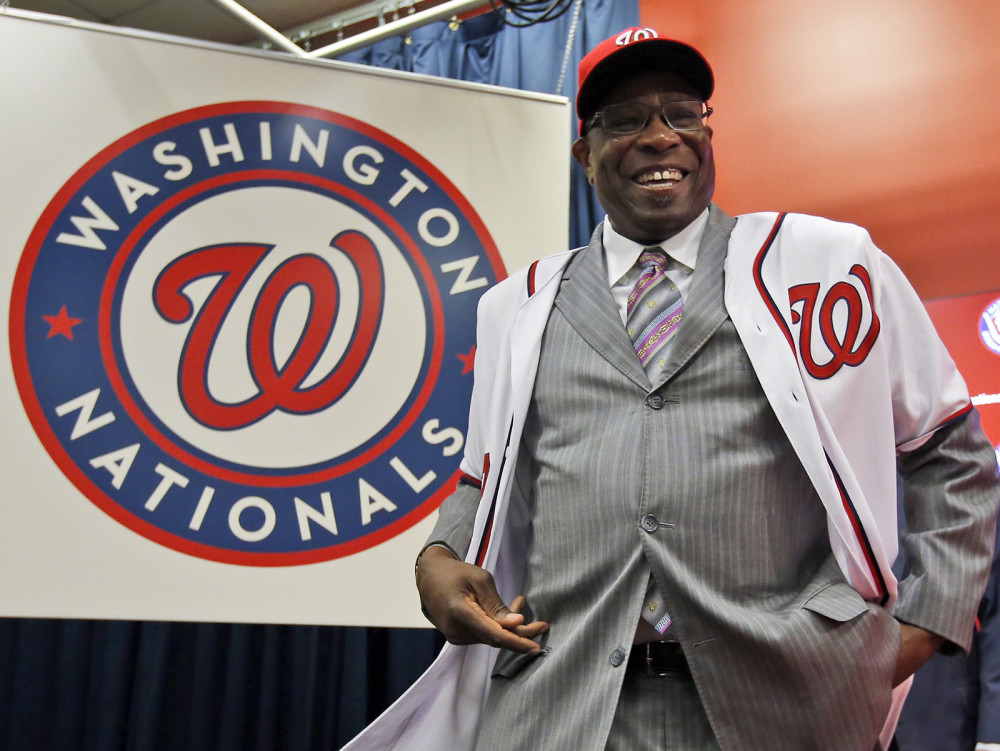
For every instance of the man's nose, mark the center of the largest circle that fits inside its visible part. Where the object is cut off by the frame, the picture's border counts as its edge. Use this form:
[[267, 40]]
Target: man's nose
[[657, 134]]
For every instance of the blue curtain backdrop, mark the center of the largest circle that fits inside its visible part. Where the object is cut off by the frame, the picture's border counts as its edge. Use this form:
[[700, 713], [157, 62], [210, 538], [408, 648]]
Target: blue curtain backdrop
[[102, 685]]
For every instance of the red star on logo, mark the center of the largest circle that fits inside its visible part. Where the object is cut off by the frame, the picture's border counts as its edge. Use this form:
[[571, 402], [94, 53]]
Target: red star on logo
[[468, 360], [61, 324]]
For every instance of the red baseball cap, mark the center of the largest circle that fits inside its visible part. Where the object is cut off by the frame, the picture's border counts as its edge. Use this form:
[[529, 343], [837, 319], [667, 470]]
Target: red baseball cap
[[634, 51]]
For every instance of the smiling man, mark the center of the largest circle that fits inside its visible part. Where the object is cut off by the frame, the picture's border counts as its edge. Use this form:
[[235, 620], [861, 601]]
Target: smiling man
[[678, 515]]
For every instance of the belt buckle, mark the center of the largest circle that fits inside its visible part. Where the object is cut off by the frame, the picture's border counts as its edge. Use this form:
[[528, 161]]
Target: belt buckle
[[650, 670]]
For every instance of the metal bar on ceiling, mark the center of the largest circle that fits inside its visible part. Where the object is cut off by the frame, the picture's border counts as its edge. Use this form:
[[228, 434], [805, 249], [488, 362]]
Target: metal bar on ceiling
[[395, 28], [391, 28], [374, 9], [272, 34]]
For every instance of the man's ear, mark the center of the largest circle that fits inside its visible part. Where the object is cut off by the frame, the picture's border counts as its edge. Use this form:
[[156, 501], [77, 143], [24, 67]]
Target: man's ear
[[581, 152]]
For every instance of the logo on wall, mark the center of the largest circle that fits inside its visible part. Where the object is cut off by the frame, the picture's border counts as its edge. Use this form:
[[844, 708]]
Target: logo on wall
[[246, 332], [989, 326]]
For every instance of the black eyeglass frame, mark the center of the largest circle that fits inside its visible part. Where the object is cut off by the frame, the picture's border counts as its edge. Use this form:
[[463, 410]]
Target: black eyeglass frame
[[598, 118]]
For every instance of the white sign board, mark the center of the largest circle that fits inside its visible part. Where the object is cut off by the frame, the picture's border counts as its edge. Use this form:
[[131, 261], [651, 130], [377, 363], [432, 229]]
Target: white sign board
[[242, 293]]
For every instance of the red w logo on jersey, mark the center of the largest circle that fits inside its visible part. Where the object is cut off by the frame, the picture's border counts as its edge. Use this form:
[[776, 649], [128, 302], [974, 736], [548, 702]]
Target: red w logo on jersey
[[842, 314]]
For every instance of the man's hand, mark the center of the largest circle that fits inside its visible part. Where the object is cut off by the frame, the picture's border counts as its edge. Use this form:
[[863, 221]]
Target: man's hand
[[916, 647], [461, 600]]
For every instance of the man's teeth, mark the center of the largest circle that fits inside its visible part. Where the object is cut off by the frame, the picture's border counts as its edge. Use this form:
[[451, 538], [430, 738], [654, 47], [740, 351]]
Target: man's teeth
[[671, 175]]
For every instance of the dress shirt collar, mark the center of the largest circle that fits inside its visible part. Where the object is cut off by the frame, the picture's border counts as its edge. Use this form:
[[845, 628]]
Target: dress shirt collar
[[620, 253]]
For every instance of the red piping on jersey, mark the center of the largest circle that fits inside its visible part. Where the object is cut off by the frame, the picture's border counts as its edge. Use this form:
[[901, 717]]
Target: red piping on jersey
[[759, 280], [488, 529], [882, 590], [852, 513], [465, 479], [955, 415], [531, 278], [484, 543]]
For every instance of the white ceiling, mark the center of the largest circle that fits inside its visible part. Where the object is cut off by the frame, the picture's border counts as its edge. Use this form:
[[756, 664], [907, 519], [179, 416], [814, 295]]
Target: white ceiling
[[199, 19]]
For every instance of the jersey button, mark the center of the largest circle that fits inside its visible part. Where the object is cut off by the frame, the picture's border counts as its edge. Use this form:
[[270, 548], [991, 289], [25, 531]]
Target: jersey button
[[617, 657]]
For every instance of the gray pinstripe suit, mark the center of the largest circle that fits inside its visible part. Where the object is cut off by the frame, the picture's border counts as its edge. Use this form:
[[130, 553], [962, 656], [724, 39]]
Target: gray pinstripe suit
[[785, 655]]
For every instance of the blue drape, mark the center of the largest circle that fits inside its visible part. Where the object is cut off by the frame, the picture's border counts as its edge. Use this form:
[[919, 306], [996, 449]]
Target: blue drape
[[109, 685], [102, 685]]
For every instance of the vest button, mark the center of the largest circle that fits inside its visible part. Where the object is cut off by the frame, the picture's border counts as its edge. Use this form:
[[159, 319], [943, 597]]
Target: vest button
[[617, 657], [655, 401], [649, 523]]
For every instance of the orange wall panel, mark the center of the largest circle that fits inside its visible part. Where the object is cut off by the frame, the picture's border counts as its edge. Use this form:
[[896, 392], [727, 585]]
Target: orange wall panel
[[884, 114]]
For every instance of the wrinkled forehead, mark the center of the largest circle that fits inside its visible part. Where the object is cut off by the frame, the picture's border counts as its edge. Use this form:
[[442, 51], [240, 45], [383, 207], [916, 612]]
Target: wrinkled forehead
[[659, 85]]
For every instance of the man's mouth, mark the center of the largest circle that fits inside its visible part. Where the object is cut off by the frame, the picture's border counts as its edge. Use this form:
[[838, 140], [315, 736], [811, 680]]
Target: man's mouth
[[660, 178]]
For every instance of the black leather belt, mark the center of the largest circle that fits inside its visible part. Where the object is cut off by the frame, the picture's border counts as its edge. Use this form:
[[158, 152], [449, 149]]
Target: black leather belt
[[658, 659]]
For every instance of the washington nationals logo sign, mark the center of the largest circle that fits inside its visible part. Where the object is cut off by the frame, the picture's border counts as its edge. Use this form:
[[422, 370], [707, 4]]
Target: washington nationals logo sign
[[246, 332], [840, 318]]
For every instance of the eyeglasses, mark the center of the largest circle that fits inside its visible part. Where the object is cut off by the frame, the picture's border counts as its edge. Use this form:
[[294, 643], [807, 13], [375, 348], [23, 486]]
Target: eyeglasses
[[633, 117]]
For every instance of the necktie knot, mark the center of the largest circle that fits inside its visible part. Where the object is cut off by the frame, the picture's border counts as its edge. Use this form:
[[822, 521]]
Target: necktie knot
[[652, 258], [653, 265]]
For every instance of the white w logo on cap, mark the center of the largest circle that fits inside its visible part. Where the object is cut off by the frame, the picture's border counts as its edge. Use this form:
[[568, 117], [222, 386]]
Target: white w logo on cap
[[635, 35]]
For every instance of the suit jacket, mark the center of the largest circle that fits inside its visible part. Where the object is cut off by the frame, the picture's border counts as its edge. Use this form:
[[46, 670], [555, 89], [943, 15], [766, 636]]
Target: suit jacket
[[784, 280]]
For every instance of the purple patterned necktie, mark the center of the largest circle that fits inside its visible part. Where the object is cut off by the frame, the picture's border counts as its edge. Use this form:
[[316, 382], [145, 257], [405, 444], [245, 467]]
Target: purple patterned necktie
[[654, 311]]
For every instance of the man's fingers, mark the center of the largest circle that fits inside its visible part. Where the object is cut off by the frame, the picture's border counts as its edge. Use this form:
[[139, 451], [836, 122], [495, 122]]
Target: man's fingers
[[531, 630], [522, 629], [484, 592], [484, 627], [513, 641]]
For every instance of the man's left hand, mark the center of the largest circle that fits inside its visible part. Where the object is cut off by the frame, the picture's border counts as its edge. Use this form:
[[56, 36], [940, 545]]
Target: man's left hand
[[916, 646]]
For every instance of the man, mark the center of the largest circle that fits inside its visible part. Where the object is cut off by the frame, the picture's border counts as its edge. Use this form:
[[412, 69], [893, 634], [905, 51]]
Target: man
[[679, 512]]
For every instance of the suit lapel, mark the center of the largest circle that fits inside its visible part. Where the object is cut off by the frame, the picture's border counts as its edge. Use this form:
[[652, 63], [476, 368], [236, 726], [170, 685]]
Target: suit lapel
[[585, 301], [704, 306]]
